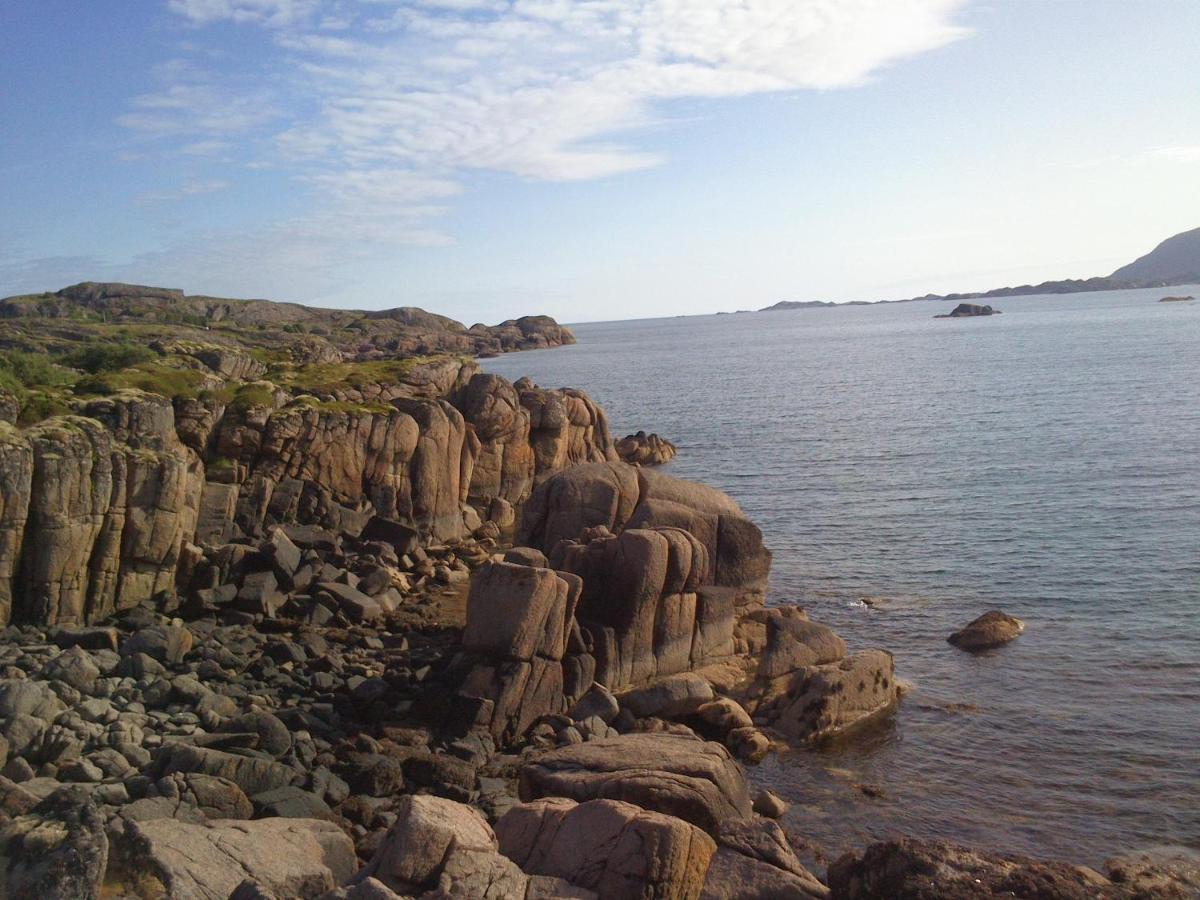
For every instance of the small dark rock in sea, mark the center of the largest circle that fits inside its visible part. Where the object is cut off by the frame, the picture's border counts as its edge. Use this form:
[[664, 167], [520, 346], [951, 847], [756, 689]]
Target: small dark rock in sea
[[969, 309], [990, 630], [1176, 299]]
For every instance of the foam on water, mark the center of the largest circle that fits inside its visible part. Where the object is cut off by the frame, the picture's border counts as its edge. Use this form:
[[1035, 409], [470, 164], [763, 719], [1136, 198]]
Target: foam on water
[[1043, 462]]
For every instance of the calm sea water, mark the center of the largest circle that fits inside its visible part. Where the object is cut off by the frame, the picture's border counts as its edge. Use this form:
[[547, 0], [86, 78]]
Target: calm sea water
[[1043, 461]]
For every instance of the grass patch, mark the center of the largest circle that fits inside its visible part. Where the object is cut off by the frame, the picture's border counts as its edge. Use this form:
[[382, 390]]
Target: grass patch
[[170, 381], [20, 370], [327, 377], [100, 358], [38, 406]]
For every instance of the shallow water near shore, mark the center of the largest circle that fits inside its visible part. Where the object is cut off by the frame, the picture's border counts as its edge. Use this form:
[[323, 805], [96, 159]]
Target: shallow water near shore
[[1043, 462]]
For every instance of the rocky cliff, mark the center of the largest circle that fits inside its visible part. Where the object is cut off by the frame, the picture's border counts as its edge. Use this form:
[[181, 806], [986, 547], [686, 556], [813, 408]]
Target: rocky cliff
[[120, 458]]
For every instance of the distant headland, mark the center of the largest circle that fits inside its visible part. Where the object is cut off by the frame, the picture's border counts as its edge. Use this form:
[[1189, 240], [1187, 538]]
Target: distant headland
[[1174, 261]]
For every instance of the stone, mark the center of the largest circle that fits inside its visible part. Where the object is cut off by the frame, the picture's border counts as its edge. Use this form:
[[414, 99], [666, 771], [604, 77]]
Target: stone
[[293, 858], [517, 612], [619, 850], [992, 629], [273, 736], [643, 449], [909, 869], [723, 715], [95, 638], [252, 775], [428, 831], [816, 703], [75, 667], [58, 849], [598, 701], [669, 698], [283, 553], [164, 643], [678, 775], [1170, 873], [291, 803], [403, 538], [769, 804]]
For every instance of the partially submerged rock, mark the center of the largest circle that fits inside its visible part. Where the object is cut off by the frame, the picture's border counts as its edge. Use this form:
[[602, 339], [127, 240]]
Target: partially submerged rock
[[992, 629], [909, 869], [643, 449]]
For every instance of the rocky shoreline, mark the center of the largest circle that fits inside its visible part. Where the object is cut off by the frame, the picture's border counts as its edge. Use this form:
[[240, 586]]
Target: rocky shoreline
[[410, 633]]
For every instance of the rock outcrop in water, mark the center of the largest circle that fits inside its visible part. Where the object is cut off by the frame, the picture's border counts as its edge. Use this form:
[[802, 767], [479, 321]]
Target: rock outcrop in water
[[992, 629], [966, 310], [643, 449]]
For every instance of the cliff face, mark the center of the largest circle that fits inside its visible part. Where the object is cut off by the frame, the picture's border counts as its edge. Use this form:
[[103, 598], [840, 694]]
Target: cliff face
[[99, 507]]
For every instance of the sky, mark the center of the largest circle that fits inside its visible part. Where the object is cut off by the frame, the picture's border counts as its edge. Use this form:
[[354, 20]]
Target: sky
[[593, 160]]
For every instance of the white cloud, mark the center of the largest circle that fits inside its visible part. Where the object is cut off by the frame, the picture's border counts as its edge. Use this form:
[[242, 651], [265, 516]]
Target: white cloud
[[380, 108], [263, 12]]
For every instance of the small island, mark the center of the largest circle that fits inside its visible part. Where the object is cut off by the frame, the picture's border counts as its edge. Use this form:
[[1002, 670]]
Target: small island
[[1177, 299], [969, 309]]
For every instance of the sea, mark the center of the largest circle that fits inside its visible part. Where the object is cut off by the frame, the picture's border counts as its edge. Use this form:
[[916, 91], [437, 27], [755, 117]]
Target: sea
[[910, 473]]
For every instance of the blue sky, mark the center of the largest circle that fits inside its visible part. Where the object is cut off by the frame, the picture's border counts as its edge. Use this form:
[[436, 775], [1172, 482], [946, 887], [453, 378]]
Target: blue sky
[[593, 160]]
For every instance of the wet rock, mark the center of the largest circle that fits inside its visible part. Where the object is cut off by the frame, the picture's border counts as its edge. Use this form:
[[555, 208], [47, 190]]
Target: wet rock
[[619, 850], [819, 702], [1170, 873], [992, 629], [909, 869], [678, 775]]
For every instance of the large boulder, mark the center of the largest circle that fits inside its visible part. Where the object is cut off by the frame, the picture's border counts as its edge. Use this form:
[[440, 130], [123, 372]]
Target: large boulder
[[677, 775], [910, 869], [437, 843], [619, 850], [642, 612], [754, 861], [819, 702], [295, 858], [252, 774], [619, 496], [519, 620]]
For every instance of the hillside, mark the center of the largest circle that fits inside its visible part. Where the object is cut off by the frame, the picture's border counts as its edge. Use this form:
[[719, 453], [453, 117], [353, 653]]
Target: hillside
[[1175, 260], [90, 310]]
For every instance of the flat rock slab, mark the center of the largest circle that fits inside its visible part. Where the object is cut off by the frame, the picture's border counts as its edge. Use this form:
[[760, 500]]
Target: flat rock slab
[[682, 776], [297, 858]]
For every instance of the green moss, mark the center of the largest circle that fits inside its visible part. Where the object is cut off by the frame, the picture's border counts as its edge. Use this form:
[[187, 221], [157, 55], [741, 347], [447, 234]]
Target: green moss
[[248, 396], [19, 370], [108, 357], [38, 406], [326, 377], [163, 377]]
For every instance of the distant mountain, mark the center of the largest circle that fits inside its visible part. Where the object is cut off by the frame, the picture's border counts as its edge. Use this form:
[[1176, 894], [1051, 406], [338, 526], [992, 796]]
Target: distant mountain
[[1175, 260]]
